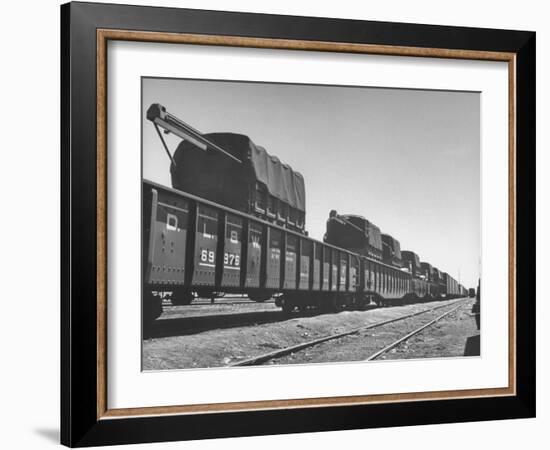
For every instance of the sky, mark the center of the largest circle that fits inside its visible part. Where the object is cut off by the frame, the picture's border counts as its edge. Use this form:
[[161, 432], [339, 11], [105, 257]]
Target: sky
[[407, 160]]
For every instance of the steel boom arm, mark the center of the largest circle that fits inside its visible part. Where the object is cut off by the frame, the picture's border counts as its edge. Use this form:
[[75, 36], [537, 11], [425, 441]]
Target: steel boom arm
[[161, 118]]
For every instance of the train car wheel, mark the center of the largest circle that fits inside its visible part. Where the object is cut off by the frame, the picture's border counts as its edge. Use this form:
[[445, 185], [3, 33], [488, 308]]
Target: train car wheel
[[336, 303], [288, 306], [324, 305], [181, 297], [362, 302], [259, 298], [152, 309], [205, 293]]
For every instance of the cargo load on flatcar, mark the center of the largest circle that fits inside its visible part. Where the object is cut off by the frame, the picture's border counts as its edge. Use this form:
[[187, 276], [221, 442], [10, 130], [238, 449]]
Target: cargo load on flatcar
[[260, 185], [391, 251], [427, 271], [230, 169], [412, 262], [354, 233]]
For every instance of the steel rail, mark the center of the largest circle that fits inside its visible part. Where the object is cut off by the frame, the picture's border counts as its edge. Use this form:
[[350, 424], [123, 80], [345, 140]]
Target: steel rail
[[411, 334], [260, 359], [208, 303]]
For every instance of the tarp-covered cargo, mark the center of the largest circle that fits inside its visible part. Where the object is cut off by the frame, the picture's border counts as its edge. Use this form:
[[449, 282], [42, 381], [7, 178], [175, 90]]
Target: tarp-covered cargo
[[354, 233], [260, 184], [427, 271], [412, 262], [391, 251], [280, 180]]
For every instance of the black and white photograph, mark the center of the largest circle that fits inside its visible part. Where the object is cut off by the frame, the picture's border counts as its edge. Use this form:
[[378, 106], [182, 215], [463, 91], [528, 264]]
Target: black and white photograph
[[301, 224]]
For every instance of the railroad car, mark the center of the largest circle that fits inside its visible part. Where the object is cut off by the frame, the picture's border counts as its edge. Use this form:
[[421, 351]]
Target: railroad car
[[430, 276], [440, 282], [449, 285], [427, 271], [200, 240], [412, 262]]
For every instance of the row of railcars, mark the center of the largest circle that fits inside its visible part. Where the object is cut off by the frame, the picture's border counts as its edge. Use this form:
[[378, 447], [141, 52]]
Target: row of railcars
[[234, 222], [196, 247], [357, 234]]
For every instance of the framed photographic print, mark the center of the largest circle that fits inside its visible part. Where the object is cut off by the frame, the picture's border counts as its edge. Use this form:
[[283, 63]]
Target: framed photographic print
[[277, 224]]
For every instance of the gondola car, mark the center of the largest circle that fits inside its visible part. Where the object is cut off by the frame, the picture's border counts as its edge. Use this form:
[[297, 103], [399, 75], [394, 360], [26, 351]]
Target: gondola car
[[427, 271], [440, 282], [449, 285], [382, 281], [411, 261], [431, 278]]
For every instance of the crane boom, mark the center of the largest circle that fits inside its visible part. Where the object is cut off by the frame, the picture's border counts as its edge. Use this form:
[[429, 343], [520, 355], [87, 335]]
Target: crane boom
[[170, 123]]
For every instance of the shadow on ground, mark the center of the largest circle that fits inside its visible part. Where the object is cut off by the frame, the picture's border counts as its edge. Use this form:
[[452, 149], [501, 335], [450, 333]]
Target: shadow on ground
[[50, 434], [181, 326], [472, 346]]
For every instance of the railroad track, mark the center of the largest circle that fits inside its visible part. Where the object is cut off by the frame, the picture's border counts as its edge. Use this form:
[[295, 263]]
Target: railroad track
[[221, 301], [230, 303], [395, 343], [178, 325], [261, 359]]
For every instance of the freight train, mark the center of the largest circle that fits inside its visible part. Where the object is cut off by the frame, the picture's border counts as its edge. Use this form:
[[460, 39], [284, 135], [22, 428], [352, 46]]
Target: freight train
[[234, 222]]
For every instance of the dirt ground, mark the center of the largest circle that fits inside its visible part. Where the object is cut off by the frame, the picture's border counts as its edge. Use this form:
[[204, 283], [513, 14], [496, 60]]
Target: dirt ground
[[223, 347]]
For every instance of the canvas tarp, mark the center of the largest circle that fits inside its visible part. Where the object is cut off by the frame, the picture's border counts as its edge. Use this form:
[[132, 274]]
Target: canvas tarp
[[279, 179]]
